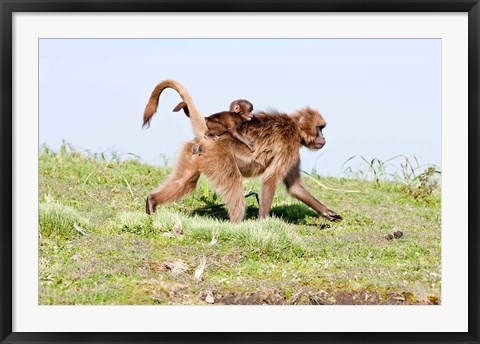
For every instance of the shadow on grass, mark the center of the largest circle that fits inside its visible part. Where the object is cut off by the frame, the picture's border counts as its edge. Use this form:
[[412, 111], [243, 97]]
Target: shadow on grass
[[219, 212], [294, 213]]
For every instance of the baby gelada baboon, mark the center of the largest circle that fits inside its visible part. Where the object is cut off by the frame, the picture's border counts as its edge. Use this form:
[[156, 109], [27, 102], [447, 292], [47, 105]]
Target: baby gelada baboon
[[225, 122]]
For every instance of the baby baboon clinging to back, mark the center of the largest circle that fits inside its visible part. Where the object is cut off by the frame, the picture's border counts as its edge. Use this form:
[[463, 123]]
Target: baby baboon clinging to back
[[225, 122]]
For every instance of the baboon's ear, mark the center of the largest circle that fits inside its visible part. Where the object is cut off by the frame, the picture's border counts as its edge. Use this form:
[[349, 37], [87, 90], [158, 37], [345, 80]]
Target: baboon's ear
[[298, 117], [236, 108]]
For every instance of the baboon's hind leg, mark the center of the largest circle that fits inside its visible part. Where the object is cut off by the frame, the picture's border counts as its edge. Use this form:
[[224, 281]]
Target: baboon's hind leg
[[182, 181]]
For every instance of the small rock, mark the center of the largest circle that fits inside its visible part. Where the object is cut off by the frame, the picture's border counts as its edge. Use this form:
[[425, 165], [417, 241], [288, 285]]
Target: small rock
[[389, 237], [209, 299], [175, 267], [398, 234]]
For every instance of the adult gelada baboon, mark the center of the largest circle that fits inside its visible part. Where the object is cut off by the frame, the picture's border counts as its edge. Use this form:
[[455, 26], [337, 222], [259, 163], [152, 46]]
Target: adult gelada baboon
[[225, 162]]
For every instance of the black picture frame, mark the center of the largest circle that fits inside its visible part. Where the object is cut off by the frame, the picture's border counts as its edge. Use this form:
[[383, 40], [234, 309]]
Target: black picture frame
[[8, 7]]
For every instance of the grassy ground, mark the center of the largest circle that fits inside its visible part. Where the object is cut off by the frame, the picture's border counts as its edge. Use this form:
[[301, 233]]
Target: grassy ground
[[96, 245]]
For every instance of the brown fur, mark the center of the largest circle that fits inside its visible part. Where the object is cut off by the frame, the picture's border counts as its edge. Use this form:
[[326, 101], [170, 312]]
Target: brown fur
[[225, 162], [225, 122]]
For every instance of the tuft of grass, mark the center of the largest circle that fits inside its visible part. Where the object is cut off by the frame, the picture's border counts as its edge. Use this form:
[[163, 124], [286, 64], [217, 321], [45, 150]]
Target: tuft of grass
[[271, 237], [60, 221], [427, 183], [136, 223], [400, 168]]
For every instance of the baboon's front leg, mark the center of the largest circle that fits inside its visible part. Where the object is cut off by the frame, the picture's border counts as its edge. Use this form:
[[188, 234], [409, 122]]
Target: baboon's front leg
[[296, 189], [268, 191], [222, 172]]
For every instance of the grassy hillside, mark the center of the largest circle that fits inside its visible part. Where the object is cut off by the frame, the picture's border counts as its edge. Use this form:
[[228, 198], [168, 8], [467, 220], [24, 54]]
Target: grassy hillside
[[97, 246]]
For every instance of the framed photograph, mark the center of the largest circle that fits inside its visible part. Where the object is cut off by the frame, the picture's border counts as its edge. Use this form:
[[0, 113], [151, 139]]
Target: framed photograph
[[357, 122]]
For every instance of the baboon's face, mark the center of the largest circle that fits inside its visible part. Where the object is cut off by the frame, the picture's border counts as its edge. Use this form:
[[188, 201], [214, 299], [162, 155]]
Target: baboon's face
[[242, 107], [319, 139], [247, 116], [311, 124]]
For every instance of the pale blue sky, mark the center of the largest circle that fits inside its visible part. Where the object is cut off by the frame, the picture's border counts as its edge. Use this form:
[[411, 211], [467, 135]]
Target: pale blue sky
[[380, 97]]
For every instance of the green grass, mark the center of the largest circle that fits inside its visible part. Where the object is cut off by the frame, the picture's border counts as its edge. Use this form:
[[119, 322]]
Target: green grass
[[97, 246]]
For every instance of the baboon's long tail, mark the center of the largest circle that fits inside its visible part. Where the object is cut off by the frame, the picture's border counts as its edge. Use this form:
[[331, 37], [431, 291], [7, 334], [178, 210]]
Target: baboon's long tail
[[198, 121]]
